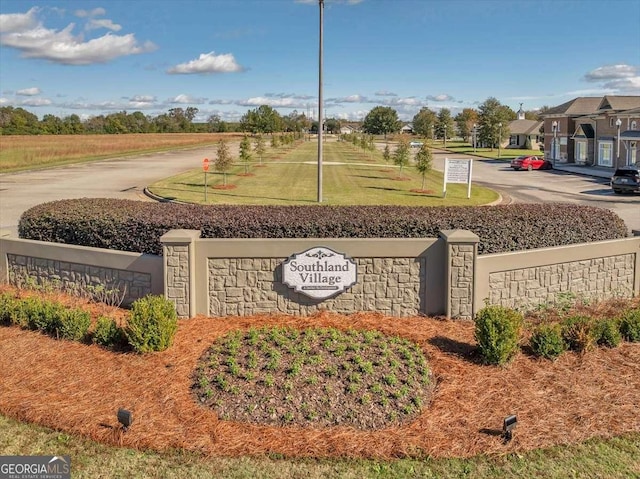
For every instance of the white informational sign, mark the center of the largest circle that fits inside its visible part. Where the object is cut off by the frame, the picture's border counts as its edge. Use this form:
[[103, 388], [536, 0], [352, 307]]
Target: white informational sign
[[457, 171], [319, 272]]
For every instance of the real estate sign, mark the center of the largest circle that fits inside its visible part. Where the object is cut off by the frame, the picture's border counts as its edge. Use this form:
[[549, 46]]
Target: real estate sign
[[457, 171], [319, 272]]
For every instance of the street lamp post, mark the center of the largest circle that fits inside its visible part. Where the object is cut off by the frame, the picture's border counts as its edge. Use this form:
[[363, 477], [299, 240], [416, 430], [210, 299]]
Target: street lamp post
[[320, 119], [474, 137], [499, 139], [433, 134], [445, 136], [554, 146], [618, 124]]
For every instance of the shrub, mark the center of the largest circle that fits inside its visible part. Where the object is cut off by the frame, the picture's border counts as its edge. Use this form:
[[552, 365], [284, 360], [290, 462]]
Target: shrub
[[630, 325], [73, 325], [579, 332], [137, 226], [607, 333], [152, 324], [547, 342], [8, 304], [43, 315], [497, 330], [106, 332]]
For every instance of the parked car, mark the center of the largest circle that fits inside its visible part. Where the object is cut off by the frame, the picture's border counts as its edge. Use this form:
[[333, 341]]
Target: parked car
[[626, 179], [415, 144], [530, 162]]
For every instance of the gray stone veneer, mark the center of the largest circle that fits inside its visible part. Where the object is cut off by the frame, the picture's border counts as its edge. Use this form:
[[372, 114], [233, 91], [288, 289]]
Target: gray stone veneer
[[244, 286], [78, 277], [177, 277], [593, 278], [461, 270]]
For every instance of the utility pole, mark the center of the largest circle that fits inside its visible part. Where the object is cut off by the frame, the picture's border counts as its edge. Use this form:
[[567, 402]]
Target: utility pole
[[320, 101]]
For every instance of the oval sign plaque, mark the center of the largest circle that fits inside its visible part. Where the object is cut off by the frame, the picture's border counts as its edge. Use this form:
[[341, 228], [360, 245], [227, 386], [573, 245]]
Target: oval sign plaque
[[319, 272]]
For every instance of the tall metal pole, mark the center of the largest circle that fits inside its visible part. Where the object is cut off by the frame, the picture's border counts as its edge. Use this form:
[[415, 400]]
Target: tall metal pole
[[320, 102]]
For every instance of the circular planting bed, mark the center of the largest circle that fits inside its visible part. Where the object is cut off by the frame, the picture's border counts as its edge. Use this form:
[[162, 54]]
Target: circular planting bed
[[314, 377]]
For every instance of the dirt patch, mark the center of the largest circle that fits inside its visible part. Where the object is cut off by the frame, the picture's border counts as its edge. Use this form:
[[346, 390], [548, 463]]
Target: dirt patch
[[401, 178], [246, 174], [224, 187], [422, 192], [78, 388]]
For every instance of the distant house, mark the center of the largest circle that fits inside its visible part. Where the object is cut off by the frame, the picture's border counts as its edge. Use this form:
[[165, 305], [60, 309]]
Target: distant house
[[597, 131], [349, 128], [521, 130], [407, 128]]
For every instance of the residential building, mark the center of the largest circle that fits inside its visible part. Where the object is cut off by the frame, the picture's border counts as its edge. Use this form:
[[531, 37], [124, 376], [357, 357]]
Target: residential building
[[594, 131], [523, 132]]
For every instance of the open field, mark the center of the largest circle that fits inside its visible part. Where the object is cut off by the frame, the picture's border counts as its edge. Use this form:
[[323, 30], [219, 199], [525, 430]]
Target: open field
[[505, 154], [40, 151], [350, 177]]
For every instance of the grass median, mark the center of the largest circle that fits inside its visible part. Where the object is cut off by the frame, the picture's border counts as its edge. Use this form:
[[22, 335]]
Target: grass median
[[350, 177]]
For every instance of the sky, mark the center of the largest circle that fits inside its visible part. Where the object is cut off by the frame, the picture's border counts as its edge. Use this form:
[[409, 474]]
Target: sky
[[226, 57]]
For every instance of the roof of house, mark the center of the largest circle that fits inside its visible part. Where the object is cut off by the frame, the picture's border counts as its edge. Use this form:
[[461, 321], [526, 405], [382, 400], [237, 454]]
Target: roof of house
[[525, 127], [584, 130], [578, 106], [619, 103]]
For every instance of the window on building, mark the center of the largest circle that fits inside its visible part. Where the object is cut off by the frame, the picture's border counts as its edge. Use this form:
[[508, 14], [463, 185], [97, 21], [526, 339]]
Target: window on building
[[605, 153], [634, 125], [581, 151], [513, 140]]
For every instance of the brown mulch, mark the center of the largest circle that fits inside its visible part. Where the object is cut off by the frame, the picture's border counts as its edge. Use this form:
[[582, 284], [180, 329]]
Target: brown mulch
[[246, 174], [423, 192], [401, 178], [78, 388]]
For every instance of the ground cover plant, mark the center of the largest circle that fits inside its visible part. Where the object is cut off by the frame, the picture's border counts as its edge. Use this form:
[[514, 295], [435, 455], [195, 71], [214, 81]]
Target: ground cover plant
[[314, 377], [23, 152], [594, 394]]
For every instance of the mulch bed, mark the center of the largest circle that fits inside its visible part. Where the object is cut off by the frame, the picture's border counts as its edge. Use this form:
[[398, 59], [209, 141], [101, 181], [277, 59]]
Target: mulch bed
[[422, 192], [78, 388], [401, 178]]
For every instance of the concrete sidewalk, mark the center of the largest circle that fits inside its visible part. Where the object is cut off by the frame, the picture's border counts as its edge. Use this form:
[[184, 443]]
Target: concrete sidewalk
[[585, 170]]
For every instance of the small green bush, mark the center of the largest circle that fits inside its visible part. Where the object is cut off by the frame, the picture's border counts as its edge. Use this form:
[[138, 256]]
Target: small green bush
[[497, 330], [106, 333], [630, 325], [43, 315], [608, 333], [8, 304], [73, 325], [547, 342], [579, 332], [152, 324]]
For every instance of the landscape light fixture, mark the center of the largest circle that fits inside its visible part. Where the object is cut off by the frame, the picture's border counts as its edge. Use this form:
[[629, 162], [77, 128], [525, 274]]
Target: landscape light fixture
[[125, 418], [554, 146], [509, 424], [499, 140], [474, 136]]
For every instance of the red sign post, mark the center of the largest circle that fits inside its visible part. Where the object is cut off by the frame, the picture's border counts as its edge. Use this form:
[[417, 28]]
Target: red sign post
[[205, 168]]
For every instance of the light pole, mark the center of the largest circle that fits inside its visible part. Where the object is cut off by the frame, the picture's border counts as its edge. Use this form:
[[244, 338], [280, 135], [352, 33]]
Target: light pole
[[433, 134], [618, 124], [499, 140], [445, 135], [474, 137], [554, 146], [320, 120]]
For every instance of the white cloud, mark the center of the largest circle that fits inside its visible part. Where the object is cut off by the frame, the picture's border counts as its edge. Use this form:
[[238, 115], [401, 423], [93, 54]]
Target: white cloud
[[36, 102], [4, 101], [441, 97], [611, 72], [385, 93], [142, 99], [208, 63], [221, 102], [272, 102], [61, 46], [349, 99], [186, 99], [90, 13], [625, 85], [18, 22], [29, 91], [94, 24]]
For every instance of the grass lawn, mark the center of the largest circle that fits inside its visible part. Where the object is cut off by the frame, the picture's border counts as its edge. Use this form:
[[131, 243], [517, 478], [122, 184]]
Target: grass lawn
[[505, 154], [350, 177], [615, 458]]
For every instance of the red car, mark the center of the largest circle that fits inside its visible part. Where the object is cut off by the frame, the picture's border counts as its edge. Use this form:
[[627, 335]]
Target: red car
[[530, 163]]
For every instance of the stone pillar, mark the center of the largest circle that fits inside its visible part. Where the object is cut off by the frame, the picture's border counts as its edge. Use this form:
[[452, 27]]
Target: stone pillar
[[461, 252], [178, 250]]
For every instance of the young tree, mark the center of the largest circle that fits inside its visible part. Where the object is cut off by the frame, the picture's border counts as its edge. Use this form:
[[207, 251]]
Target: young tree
[[424, 162], [381, 120], [465, 121], [386, 154], [245, 153], [423, 121], [275, 141], [401, 155], [223, 160], [259, 147]]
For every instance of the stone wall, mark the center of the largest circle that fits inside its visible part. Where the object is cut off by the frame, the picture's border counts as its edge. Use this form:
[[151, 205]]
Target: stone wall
[[112, 285], [177, 277], [593, 278], [244, 286], [461, 289]]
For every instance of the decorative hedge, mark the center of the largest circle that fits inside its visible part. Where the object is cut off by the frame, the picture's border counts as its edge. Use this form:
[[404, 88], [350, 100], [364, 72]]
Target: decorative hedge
[[137, 226]]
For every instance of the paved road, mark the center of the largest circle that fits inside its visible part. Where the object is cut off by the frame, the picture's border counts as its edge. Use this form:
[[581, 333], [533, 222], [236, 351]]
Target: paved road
[[126, 178]]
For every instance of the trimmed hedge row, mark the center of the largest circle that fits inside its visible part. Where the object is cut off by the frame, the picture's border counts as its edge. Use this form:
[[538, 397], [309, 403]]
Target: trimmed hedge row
[[137, 226]]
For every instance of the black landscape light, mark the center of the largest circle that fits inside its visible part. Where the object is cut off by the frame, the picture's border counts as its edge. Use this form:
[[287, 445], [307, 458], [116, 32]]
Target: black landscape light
[[125, 418], [509, 424]]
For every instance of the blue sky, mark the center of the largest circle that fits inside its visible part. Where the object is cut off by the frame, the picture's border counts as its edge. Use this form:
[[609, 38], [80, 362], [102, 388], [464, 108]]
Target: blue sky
[[225, 57]]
